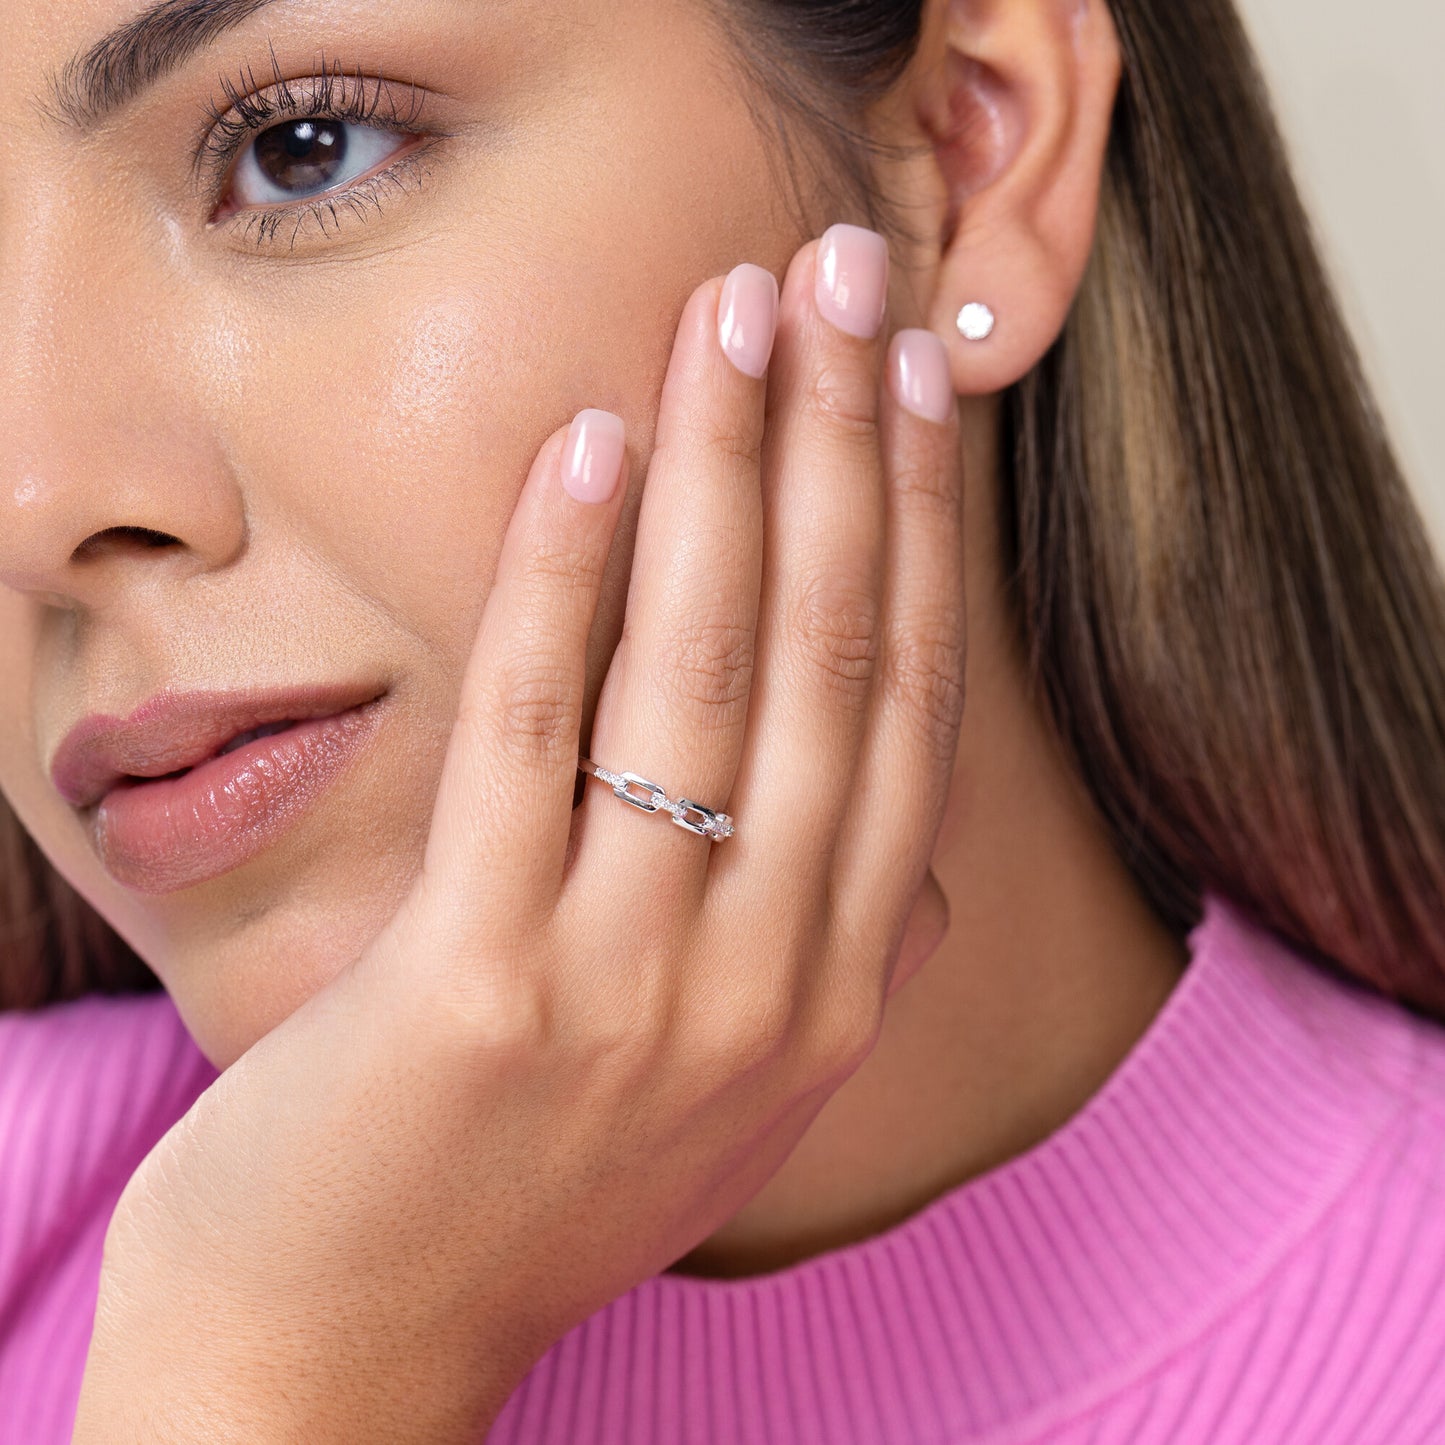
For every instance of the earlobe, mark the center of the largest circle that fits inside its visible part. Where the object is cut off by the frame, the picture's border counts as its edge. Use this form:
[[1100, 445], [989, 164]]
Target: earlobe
[[1018, 115]]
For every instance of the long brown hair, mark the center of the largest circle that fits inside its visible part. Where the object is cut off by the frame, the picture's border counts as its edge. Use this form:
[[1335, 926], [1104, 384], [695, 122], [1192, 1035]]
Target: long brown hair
[[1226, 591]]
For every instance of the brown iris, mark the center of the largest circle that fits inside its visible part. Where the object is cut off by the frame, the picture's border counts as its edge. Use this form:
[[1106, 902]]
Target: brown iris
[[301, 155]]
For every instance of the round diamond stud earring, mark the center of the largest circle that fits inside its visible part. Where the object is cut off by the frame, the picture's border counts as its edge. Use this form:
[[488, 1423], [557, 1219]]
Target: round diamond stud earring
[[975, 321]]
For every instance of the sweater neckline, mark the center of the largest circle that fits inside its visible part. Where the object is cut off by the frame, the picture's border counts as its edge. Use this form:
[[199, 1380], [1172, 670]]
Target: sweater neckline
[[1239, 1113]]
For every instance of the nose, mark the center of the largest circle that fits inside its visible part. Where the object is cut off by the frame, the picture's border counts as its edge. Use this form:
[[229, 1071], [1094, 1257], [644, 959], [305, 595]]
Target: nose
[[112, 465]]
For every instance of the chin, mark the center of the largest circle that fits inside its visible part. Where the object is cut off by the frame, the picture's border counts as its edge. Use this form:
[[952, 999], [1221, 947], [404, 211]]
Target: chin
[[236, 973]]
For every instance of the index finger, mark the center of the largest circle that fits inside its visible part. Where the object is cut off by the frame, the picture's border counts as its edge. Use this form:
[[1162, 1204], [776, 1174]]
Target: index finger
[[504, 804]]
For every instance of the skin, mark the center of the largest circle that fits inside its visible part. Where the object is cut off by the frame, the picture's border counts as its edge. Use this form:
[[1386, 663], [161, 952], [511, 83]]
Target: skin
[[339, 435]]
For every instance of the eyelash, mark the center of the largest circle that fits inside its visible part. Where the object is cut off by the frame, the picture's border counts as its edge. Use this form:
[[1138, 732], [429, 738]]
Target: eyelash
[[330, 95]]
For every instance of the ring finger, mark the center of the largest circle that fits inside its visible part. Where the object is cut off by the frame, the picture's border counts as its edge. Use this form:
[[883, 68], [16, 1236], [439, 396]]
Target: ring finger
[[674, 702]]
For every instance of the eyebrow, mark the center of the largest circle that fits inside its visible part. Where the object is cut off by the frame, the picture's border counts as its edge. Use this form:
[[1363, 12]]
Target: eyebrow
[[110, 74]]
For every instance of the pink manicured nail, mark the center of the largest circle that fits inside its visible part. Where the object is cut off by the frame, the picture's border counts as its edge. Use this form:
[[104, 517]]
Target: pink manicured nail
[[919, 374], [592, 456], [747, 317], [852, 278]]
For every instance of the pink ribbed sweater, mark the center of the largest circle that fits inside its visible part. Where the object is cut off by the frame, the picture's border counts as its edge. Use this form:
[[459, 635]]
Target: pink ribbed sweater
[[1239, 1238]]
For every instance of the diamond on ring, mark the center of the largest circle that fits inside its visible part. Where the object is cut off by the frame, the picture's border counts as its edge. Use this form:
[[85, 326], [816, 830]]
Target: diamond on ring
[[708, 824]]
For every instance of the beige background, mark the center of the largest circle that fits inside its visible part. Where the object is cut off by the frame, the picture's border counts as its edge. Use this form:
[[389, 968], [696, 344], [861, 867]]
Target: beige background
[[1360, 91]]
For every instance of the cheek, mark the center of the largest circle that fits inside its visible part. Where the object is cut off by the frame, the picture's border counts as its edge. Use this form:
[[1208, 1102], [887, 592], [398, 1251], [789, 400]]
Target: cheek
[[387, 441], [24, 657], [17, 659], [387, 437]]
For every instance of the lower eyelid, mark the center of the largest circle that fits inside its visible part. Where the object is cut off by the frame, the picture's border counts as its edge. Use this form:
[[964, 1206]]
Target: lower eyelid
[[356, 202]]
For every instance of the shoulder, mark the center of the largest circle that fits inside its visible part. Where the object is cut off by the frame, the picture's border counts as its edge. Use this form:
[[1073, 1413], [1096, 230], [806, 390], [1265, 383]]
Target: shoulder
[[1376, 1068], [112, 1052], [86, 1089], [1389, 1060], [1345, 1089], [1322, 1106], [1426, 1082], [1421, 1122], [76, 1076], [1351, 1328], [1365, 1286]]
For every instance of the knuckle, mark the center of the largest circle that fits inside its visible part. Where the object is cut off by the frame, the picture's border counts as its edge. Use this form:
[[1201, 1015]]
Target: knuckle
[[622, 1043], [842, 1031], [484, 1012], [520, 1024], [711, 434], [744, 1034], [628, 1017], [843, 397], [536, 713], [925, 665], [835, 624], [926, 481], [765, 1023], [707, 670], [551, 565]]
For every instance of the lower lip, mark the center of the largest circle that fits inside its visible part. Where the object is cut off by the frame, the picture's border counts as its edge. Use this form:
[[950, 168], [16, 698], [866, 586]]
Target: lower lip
[[172, 833]]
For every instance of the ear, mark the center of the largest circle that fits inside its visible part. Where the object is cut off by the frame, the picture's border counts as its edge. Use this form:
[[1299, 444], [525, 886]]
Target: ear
[[1015, 99]]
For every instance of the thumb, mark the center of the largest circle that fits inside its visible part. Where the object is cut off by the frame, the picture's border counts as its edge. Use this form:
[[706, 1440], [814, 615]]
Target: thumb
[[926, 928]]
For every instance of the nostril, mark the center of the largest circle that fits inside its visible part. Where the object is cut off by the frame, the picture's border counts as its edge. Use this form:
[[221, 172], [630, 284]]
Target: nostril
[[119, 537]]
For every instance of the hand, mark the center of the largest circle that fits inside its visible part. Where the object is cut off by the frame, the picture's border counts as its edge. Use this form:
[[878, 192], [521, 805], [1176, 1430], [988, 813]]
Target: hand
[[586, 1039]]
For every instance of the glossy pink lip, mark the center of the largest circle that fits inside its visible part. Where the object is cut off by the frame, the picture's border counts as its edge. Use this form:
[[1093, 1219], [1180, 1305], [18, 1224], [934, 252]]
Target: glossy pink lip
[[168, 809]]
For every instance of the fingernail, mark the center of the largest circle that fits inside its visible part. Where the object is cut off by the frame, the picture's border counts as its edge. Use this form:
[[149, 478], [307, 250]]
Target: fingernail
[[918, 372], [592, 456], [852, 278], [747, 317]]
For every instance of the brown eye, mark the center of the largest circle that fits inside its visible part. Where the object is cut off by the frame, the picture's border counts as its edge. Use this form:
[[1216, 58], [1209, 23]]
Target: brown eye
[[308, 156], [301, 155]]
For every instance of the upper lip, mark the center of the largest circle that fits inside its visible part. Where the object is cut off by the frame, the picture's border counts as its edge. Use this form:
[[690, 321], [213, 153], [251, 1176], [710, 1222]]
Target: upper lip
[[174, 730]]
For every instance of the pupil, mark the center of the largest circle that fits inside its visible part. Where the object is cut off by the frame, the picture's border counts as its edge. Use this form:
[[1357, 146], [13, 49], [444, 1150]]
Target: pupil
[[301, 154]]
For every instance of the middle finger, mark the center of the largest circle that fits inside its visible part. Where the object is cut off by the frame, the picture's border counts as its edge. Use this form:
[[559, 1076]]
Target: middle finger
[[823, 553]]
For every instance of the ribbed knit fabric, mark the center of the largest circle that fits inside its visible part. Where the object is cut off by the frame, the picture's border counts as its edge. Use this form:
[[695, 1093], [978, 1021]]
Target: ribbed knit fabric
[[1239, 1238]]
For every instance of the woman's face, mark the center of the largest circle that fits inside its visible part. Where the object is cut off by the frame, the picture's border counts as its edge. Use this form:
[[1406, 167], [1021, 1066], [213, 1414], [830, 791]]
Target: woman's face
[[329, 410]]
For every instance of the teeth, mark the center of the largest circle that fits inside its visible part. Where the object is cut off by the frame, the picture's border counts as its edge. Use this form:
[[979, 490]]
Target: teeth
[[242, 739]]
